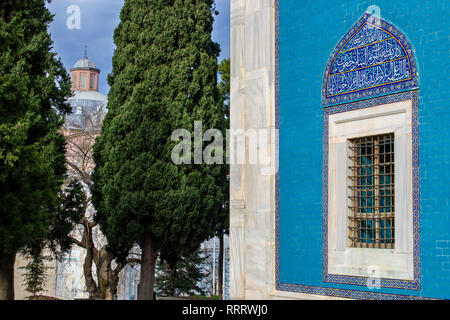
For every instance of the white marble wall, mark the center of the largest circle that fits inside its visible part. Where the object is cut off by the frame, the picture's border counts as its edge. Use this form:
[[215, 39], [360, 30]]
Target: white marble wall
[[252, 107], [252, 212]]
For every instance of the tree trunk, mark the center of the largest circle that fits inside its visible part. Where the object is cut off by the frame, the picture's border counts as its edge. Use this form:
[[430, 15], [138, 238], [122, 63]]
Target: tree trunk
[[112, 284], [220, 271], [107, 279], [171, 281], [91, 286], [112, 277], [148, 265], [7, 275], [103, 268]]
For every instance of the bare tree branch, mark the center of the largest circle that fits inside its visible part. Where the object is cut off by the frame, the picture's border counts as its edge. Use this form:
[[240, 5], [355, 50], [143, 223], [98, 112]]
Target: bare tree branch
[[78, 242]]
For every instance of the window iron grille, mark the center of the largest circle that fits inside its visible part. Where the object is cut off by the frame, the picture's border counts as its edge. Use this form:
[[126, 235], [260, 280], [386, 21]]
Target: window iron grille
[[371, 192]]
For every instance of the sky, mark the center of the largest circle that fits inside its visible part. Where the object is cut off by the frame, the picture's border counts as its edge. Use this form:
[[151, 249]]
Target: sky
[[97, 21]]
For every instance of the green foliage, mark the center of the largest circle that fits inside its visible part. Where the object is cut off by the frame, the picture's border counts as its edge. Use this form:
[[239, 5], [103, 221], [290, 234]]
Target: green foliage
[[35, 273], [34, 88], [224, 91], [224, 87], [164, 78], [68, 212], [181, 277]]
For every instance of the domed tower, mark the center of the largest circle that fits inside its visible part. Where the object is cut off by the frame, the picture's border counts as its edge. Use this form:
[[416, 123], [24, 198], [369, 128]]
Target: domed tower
[[84, 75], [86, 101]]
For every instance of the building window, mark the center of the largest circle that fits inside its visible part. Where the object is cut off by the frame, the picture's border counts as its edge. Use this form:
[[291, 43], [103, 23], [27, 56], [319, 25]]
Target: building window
[[74, 81], [92, 82], [83, 81], [369, 191], [371, 194], [370, 178]]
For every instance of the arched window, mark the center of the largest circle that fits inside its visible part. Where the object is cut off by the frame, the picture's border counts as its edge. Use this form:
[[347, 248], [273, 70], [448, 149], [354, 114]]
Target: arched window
[[92, 81], [371, 206], [83, 81], [74, 81]]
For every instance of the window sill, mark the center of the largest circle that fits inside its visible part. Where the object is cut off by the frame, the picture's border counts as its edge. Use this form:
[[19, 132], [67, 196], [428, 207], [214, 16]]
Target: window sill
[[369, 262]]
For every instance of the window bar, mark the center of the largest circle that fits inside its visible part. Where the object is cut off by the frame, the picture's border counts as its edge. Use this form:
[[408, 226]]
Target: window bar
[[377, 222], [372, 196]]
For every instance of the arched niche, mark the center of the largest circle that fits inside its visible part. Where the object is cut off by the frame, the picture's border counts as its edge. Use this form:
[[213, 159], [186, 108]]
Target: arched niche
[[374, 58], [369, 91]]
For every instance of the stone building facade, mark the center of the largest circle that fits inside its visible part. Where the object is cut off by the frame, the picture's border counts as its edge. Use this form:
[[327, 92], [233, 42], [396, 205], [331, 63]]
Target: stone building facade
[[357, 92]]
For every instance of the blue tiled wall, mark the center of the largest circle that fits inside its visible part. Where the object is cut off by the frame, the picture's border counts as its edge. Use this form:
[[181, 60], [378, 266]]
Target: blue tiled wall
[[308, 33]]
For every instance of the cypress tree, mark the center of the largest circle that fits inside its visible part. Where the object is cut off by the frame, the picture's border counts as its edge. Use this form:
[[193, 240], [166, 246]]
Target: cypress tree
[[35, 273], [34, 88], [164, 78], [223, 221], [182, 277]]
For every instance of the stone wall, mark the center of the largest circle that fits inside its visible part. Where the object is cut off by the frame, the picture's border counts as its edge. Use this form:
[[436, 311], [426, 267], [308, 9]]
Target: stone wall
[[308, 33], [252, 108]]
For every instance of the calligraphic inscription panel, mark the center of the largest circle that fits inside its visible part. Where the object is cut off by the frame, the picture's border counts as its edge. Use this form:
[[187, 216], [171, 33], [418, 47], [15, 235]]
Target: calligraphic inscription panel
[[374, 58]]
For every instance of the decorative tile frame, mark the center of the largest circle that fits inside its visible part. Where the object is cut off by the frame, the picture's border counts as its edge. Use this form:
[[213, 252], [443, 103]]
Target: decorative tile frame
[[355, 280], [391, 283], [380, 89]]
